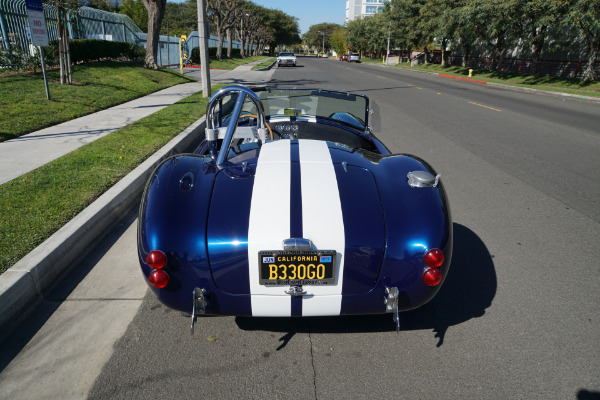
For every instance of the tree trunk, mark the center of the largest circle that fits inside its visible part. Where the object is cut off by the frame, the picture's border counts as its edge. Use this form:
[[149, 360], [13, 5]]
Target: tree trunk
[[444, 42], [61, 50], [466, 55], [589, 74], [67, 54], [241, 39], [498, 48], [229, 42], [538, 46], [156, 12], [220, 44]]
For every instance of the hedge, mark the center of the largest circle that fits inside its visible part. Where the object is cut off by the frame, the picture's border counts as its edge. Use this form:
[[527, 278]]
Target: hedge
[[89, 50]]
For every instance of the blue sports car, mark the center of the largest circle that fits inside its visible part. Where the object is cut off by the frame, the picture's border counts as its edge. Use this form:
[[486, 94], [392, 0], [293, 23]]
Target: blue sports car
[[291, 207]]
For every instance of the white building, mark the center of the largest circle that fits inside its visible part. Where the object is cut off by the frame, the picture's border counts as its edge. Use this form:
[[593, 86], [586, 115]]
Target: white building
[[363, 8]]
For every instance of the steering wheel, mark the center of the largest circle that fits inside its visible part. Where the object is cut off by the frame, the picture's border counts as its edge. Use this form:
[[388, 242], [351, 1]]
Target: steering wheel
[[256, 118]]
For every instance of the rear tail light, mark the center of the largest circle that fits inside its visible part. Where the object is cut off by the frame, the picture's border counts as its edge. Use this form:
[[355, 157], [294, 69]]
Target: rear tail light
[[434, 259], [157, 260], [432, 276], [158, 278]]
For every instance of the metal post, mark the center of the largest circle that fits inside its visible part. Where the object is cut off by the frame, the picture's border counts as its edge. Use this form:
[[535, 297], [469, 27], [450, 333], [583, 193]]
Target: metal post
[[44, 72], [3, 28], [387, 57], [168, 46], [203, 47]]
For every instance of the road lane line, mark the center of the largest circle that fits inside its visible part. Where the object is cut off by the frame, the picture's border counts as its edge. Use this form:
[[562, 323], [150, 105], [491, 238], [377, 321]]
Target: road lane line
[[481, 105]]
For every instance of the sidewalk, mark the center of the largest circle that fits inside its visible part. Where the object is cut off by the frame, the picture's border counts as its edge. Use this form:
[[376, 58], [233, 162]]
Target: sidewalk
[[26, 153], [26, 282]]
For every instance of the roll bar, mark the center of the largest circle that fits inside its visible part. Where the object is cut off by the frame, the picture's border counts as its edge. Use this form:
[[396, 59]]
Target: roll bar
[[213, 120]]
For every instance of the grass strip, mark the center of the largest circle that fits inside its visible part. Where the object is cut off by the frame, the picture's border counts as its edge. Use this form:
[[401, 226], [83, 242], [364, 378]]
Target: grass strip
[[95, 87], [231, 63], [549, 83], [37, 204], [264, 64]]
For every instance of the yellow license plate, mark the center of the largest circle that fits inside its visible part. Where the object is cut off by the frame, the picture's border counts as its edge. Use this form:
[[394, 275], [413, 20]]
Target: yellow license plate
[[280, 267]]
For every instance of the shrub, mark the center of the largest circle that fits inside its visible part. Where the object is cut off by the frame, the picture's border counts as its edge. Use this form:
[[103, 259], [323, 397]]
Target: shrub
[[89, 50]]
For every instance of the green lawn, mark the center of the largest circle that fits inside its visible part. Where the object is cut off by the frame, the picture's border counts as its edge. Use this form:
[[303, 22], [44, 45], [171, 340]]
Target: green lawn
[[264, 64], [550, 83], [37, 204], [95, 87], [231, 63]]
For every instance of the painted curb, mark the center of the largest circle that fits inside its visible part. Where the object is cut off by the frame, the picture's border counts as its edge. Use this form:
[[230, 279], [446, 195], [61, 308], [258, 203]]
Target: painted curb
[[460, 78]]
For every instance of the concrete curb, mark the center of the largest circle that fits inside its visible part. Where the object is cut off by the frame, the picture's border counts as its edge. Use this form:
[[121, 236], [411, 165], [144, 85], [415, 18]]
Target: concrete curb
[[269, 67], [26, 282], [461, 78]]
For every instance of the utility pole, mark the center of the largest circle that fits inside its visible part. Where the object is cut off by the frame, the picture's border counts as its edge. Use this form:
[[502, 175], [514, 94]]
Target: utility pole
[[203, 47]]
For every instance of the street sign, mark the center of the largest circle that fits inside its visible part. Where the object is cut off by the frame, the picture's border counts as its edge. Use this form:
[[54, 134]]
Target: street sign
[[39, 32], [37, 22]]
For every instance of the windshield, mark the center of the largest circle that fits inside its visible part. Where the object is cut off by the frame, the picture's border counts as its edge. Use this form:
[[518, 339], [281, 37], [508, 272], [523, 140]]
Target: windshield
[[286, 54], [342, 106]]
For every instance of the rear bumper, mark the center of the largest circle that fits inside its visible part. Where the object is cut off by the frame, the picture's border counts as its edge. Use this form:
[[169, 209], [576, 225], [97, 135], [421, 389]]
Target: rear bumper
[[222, 303]]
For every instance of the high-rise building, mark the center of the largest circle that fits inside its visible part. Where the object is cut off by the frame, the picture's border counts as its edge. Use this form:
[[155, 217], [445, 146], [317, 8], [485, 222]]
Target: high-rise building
[[363, 8]]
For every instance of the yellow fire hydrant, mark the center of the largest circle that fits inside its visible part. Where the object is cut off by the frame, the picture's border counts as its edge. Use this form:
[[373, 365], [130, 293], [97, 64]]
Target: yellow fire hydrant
[[470, 73]]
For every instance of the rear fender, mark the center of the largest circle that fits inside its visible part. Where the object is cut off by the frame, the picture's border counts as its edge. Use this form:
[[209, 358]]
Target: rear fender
[[417, 220], [172, 219]]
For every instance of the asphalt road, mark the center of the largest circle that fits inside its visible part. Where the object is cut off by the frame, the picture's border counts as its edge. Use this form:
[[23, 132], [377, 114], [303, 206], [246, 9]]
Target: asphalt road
[[517, 317]]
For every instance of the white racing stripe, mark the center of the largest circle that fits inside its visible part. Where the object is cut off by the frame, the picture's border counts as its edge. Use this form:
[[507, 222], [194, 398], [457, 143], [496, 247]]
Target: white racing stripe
[[269, 225], [322, 222]]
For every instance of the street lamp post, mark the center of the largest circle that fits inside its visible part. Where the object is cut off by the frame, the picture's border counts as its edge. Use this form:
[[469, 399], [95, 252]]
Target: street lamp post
[[323, 34], [389, 34], [388, 43]]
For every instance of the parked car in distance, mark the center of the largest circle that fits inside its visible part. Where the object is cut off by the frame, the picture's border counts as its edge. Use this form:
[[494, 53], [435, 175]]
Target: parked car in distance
[[344, 57], [354, 57], [286, 59]]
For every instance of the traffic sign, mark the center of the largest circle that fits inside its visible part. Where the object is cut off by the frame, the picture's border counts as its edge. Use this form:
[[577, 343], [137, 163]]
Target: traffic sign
[[37, 22]]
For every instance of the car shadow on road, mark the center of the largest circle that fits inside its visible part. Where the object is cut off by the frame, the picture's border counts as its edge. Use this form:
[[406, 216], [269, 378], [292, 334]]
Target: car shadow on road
[[466, 293]]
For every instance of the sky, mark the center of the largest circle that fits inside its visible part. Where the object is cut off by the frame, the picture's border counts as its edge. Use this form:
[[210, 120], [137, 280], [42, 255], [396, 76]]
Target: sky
[[309, 12]]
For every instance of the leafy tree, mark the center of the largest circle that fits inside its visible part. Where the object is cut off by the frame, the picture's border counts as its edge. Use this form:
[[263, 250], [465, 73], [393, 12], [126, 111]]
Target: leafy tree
[[538, 18], [64, 54], [585, 15], [98, 4], [281, 29], [464, 35], [339, 40], [135, 10], [495, 22], [439, 20], [182, 18], [221, 14], [406, 15], [319, 36]]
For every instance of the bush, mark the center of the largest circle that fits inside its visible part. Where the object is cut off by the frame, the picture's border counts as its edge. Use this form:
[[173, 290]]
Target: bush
[[212, 53], [195, 56], [12, 58], [89, 50]]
